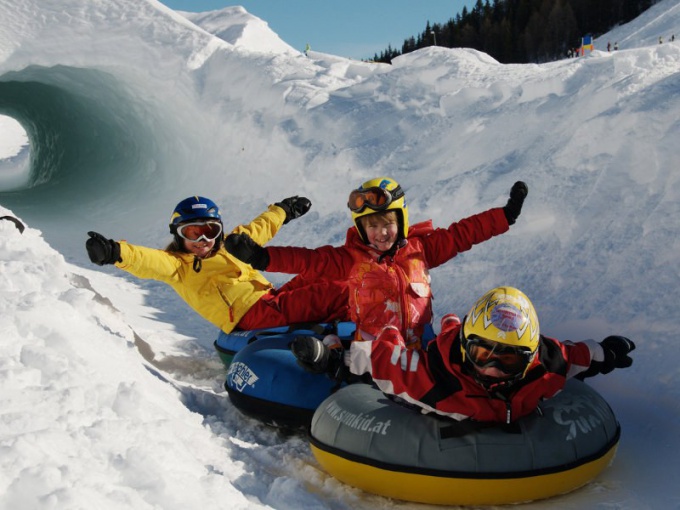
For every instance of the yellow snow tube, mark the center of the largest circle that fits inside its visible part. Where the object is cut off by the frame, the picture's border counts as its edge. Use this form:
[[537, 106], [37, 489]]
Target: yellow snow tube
[[365, 440]]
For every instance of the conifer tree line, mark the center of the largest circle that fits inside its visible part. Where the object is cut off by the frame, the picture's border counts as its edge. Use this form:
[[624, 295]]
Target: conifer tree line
[[524, 31]]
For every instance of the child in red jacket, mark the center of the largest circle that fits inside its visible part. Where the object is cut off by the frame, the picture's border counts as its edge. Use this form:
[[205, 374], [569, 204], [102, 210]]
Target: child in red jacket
[[494, 367], [385, 262]]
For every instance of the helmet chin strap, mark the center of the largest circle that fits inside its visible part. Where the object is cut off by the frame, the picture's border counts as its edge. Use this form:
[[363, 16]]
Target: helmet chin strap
[[198, 261], [198, 264], [495, 384], [399, 243]]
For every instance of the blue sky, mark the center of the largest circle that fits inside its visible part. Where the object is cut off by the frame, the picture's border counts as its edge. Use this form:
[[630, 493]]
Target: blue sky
[[351, 28]]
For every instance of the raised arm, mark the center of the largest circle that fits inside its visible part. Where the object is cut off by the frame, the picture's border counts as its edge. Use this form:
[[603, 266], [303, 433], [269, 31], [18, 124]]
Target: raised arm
[[148, 263], [444, 244], [140, 261], [603, 357], [263, 228]]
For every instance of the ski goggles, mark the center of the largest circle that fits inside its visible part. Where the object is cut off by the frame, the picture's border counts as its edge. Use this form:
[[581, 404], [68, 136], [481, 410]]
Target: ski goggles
[[200, 231], [377, 199], [509, 359]]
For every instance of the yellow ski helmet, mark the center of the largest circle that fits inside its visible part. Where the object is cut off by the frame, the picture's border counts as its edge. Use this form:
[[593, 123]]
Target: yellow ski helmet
[[501, 329], [378, 195]]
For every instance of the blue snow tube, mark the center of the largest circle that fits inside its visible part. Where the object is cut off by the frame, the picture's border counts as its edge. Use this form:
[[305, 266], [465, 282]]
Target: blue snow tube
[[265, 382], [228, 344]]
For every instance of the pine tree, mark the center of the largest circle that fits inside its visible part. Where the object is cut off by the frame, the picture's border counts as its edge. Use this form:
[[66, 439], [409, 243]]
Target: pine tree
[[522, 31]]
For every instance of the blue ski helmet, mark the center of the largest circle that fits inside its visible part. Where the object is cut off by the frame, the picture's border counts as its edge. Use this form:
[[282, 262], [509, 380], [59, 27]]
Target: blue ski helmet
[[194, 209]]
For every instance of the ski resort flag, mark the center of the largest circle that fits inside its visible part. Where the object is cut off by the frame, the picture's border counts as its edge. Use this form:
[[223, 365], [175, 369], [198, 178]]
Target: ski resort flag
[[586, 44]]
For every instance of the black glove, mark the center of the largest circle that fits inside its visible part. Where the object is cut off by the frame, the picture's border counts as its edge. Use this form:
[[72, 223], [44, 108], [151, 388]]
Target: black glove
[[512, 209], [316, 357], [294, 207], [246, 250], [616, 349], [102, 250]]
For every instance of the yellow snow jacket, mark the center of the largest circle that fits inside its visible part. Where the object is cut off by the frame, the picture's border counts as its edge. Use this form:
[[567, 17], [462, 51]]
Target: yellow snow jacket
[[224, 289]]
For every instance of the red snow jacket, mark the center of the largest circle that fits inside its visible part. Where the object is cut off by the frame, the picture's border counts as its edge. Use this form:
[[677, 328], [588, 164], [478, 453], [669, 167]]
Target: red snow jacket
[[390, 289], [437, 381]]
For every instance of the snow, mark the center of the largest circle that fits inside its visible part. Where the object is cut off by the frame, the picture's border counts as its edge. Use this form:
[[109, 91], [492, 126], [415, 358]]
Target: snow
[[111, 390], [236, 26], [14, 150]]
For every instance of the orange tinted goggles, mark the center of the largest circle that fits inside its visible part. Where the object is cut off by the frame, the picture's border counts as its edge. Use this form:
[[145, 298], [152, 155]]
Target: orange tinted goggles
[[204, 230], [507, 358], [375, 198]]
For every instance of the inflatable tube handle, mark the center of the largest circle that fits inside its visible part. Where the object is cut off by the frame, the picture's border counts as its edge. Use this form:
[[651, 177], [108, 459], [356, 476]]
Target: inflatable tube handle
[[20, 226]]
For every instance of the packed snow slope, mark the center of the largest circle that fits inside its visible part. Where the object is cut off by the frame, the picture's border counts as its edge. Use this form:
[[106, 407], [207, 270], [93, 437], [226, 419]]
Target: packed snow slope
[[129, 107]]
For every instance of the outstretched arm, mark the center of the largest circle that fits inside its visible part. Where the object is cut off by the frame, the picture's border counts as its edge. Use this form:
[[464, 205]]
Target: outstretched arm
[[327, 261], [612, 352], [263, 228], [444, 244]]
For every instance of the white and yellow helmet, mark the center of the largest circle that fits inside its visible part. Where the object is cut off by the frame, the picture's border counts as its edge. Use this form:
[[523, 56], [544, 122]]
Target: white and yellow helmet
[[503, 317]]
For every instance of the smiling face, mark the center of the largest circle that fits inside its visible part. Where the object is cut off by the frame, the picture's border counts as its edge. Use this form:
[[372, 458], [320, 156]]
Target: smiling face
[[201, 248], [199, 237], [382, 229]]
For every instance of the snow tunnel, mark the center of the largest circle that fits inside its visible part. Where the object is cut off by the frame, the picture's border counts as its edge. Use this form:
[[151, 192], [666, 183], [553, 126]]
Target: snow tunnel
[[97, 143], [78, 120]]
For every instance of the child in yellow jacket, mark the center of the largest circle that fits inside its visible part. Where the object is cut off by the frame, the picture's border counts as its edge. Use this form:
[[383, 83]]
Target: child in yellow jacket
[[223, 290]]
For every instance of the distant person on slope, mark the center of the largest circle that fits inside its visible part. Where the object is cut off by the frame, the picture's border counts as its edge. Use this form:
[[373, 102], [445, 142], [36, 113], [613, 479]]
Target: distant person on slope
[[385, 261], [219, 287], [494, 367]]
